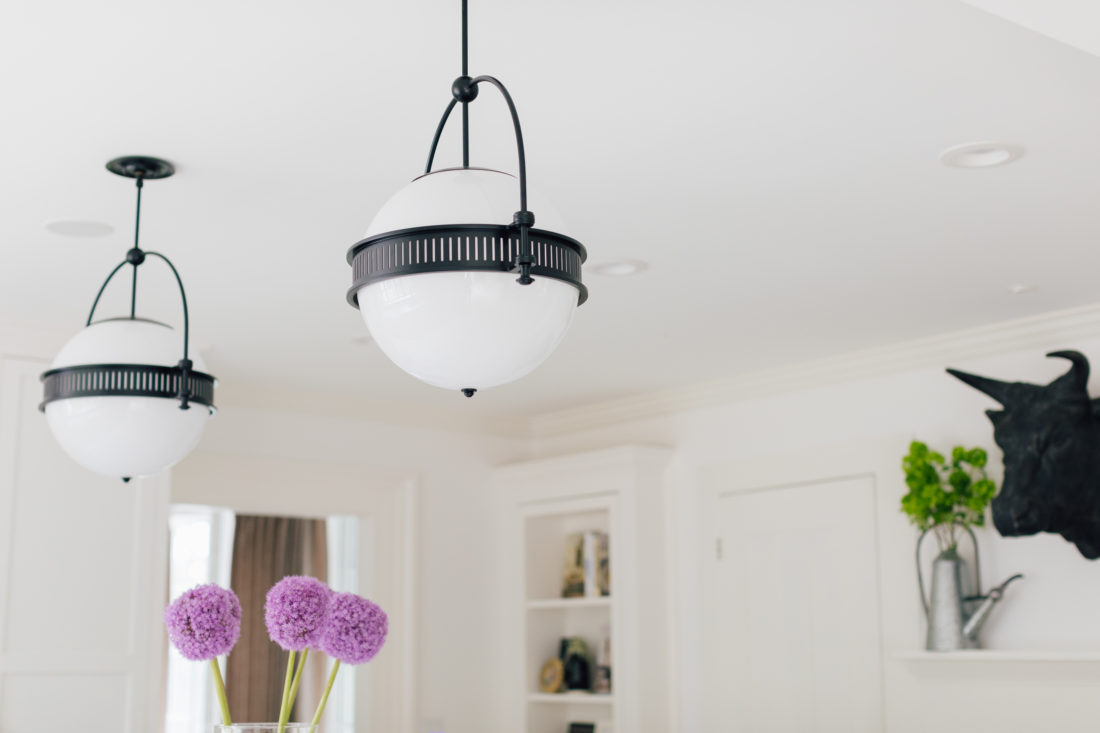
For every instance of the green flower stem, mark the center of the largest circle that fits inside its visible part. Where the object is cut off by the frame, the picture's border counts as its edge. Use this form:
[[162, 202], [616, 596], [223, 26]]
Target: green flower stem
[[294, 685], [219, 686], [324, 697], [284, 710]]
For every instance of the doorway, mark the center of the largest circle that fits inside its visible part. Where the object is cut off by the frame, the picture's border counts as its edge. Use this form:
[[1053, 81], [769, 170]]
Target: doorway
[[209, 544], [793, 611]]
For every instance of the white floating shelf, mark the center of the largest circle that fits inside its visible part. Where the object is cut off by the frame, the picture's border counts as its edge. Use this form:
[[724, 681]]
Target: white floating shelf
[[999, 655], [557, 603], [568, 698]]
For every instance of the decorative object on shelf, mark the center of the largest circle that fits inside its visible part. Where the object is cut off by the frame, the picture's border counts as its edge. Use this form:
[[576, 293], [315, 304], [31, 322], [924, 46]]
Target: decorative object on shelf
[[551, 676], [943, 497], [436, 276], [946, 499], [952, 625], [301, 614], [602, 683], [575, 661], [1050, 436], [587, 565], [118, 396]]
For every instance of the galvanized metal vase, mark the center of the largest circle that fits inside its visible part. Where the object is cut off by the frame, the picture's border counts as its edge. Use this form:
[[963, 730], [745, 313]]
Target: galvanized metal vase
[[956, 610], [944, 610]]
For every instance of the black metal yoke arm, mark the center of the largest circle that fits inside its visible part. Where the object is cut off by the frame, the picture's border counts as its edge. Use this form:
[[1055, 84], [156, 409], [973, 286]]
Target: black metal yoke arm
[[464, 89], [185, 365], [469, 83]]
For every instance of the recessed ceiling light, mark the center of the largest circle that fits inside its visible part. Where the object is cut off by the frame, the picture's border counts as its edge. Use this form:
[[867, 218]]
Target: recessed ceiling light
[[620, 268], [1021, 288], [981, 155], [78, 228]]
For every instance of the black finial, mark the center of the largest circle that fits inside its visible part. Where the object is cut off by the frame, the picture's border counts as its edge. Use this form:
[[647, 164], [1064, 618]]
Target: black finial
[[125, 479], [464, 90], [469, 391]]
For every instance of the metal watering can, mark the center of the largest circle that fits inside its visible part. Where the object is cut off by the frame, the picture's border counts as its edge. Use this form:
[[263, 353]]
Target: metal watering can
[[952, 624]]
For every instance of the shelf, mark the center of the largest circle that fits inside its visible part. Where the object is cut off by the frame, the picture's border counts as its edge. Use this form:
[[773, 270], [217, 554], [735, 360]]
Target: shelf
[[556, 603], [571, 698], [999, 655]]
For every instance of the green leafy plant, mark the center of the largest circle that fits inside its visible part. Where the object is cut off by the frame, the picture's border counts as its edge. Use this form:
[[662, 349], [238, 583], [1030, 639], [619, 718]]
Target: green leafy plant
[[946, 496]]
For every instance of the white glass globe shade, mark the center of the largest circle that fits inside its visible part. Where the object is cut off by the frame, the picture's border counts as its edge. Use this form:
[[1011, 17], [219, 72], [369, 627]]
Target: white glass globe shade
[[465, 330], [123, 436]]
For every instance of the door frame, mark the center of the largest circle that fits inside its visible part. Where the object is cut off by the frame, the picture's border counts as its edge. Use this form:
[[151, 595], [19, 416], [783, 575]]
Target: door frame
[[877, 460]]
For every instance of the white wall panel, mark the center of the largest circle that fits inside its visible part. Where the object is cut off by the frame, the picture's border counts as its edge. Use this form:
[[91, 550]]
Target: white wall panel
[[82, 568], [64, 702], [794, 615]]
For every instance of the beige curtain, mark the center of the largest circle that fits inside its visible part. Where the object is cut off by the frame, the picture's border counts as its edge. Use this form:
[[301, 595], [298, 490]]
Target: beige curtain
[[265, 550]]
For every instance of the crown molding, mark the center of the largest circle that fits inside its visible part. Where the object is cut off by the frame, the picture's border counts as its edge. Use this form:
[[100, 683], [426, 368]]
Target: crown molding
[[1046, 331]]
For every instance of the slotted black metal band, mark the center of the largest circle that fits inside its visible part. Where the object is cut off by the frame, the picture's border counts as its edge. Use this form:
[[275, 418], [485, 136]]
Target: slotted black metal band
[[463, 247], [126, 380]]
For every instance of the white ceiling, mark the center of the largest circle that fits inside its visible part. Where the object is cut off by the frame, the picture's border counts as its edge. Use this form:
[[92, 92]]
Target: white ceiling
[[1076, 22], [775, 162]]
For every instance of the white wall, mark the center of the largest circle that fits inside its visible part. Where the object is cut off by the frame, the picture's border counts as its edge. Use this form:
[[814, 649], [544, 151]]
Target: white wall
[[82, 559], [285, 461], [864, 427]]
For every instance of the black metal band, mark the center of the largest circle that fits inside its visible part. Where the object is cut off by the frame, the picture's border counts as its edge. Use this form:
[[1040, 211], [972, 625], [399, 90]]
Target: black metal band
[[463, 247], [126, 380]]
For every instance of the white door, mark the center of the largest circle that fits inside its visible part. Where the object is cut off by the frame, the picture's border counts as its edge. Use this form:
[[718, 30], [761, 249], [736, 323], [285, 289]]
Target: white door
[[82, 566], [793, 619]]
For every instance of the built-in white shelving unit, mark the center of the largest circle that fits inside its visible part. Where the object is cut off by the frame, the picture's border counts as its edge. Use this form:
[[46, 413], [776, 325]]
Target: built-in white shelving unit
[[557, 604], [620, 492], [571, 699], [546, 527]]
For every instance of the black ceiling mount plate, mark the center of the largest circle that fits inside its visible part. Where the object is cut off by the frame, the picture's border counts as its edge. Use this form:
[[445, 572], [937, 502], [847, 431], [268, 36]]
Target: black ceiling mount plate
[[132, 166]]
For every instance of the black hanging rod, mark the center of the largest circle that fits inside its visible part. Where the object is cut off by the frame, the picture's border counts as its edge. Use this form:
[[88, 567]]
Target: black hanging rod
[[465, 90]]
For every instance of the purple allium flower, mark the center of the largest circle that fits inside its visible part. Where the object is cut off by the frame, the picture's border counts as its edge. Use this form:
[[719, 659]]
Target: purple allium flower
[[204, 622], [295, 611], [355, 629]]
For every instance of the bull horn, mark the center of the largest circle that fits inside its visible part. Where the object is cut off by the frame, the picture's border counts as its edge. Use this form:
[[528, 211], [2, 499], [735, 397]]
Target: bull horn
[[1077, 378], [996, 389]]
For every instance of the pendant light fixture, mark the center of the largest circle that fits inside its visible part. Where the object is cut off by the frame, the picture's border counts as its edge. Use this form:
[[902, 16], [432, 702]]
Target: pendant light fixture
[[455, 288], [118, 397]]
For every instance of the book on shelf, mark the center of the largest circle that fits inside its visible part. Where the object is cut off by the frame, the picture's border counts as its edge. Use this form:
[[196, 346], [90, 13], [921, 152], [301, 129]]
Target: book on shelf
[[587, 565]]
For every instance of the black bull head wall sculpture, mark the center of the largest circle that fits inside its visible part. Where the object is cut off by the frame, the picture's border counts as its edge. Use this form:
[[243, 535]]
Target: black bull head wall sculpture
[[1050, 436]]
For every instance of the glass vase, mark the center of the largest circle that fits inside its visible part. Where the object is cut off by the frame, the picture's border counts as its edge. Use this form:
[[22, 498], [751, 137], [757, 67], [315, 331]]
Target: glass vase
[[262, 728]]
